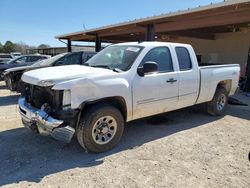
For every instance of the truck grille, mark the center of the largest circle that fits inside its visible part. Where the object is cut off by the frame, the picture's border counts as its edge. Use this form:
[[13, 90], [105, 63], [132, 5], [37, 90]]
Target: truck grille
[[37, 96]]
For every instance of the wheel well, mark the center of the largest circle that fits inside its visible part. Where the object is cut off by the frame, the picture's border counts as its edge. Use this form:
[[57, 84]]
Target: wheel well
[[226, 84], [117, 102]]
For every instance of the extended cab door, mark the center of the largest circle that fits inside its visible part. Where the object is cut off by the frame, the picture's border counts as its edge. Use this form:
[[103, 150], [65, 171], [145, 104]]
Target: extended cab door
[[189, 76], [158, 92]]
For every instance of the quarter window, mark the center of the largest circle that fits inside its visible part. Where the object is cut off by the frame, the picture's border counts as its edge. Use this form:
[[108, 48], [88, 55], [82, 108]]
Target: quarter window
[[161, 56], [183, 58]]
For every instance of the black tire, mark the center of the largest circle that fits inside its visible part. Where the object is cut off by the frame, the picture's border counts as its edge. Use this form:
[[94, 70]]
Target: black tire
[[10, 84], [88, 123], [213, 108]]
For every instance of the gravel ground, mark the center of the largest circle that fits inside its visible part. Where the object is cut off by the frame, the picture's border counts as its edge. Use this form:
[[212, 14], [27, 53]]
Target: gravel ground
[[185, 148]]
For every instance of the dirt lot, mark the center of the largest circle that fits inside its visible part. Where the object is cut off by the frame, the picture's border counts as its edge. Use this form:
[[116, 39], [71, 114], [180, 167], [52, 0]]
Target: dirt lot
[[185, 148]]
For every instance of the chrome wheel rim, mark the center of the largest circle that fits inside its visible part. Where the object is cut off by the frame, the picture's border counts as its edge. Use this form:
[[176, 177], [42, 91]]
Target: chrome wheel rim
[[221, 102], [104, 130]]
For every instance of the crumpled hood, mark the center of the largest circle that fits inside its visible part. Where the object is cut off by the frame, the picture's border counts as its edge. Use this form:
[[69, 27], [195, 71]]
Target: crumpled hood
[[54, 75]]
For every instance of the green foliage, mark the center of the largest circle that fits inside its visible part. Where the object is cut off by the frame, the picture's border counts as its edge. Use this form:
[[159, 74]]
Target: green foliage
[[8, 47], [43, 46], [1, 48]]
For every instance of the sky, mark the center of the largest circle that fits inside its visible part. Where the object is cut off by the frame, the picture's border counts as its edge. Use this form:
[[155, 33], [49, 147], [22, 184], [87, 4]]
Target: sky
[[36, 22]]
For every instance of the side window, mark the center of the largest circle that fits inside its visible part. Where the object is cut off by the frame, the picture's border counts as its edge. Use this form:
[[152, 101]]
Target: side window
[[70, 59], [162, 56], [34, 58], [183, 58], [86, 57], [21, 60]]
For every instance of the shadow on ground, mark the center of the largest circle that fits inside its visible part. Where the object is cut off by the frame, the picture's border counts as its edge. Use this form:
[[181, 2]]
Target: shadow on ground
[[28, 157], [8, 100]]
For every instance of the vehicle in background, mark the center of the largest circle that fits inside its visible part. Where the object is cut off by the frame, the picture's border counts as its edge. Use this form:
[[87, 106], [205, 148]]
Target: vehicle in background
[[4, 58], [4, 61], [12, 76], [15, 54], [123, 82], [23, 60]]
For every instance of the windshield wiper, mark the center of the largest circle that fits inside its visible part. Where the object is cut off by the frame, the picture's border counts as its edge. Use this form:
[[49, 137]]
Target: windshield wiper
[[101, 66], [117, 70]]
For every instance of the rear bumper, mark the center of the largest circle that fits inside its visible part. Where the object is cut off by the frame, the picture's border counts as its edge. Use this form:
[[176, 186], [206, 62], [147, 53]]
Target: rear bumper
[[39, 121]]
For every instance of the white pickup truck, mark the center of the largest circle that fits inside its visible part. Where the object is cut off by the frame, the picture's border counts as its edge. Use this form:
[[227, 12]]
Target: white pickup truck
[[121, 83]]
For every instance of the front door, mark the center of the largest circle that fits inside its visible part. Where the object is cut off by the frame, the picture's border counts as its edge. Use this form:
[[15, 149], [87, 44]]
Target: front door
[[158, 92]]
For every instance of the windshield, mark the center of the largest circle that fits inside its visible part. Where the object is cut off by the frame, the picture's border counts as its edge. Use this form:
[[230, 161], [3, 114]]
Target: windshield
[[115, 57], [50, 61]]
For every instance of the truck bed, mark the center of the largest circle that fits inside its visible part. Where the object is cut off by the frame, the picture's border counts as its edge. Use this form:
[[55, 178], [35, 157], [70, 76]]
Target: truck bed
[[211, 75], [211, 65]]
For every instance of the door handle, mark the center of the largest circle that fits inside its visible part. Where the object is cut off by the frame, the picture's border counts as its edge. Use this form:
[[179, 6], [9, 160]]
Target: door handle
[[171, 80]]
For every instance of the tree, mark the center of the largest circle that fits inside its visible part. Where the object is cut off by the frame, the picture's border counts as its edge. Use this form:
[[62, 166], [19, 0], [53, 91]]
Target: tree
[[8, 47], [1, 47], [43, 46], [21, 47]]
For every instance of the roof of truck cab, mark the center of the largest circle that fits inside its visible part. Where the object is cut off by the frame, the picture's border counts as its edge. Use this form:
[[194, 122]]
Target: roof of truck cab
[[145, 44]]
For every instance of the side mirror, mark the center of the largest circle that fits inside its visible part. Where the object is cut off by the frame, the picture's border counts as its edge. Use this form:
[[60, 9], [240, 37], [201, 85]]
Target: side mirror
[[147, 68]]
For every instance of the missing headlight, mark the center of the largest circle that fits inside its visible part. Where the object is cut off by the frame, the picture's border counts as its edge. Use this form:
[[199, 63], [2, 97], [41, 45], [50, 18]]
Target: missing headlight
[[66, 99]]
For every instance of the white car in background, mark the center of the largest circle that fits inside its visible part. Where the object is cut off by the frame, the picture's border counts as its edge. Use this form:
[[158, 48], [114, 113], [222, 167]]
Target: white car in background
[[15, 54], [4, 58]]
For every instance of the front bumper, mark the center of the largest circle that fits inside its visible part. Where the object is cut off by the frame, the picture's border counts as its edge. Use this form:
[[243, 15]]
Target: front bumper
[[39, 121]]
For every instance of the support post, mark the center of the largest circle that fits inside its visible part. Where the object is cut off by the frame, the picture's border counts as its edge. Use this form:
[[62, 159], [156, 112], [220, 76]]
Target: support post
[[150, 33], [69, 48], [248, 72], [98, 43]]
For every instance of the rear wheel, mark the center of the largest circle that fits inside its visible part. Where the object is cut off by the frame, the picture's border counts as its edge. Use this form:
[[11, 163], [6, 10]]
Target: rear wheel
[[219, 102], [100, 128]]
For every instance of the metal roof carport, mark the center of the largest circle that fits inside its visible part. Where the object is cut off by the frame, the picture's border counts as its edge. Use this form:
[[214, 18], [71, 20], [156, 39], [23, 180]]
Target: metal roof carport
[[207, 23], [202, 22]]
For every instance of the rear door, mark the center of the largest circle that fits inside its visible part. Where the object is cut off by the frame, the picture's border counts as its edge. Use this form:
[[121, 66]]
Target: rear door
[[158, 92], [188, 75]]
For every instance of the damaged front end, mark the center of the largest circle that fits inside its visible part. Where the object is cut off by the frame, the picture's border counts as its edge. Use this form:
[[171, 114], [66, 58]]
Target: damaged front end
[[41, 109]]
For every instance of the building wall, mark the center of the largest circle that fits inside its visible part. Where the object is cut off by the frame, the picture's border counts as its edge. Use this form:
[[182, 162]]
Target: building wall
[[226, 49], [85, 48]]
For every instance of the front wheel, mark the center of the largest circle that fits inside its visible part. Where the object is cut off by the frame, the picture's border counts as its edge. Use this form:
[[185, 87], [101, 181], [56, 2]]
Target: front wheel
[[9, 83], [100, 128], [219, 102]]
